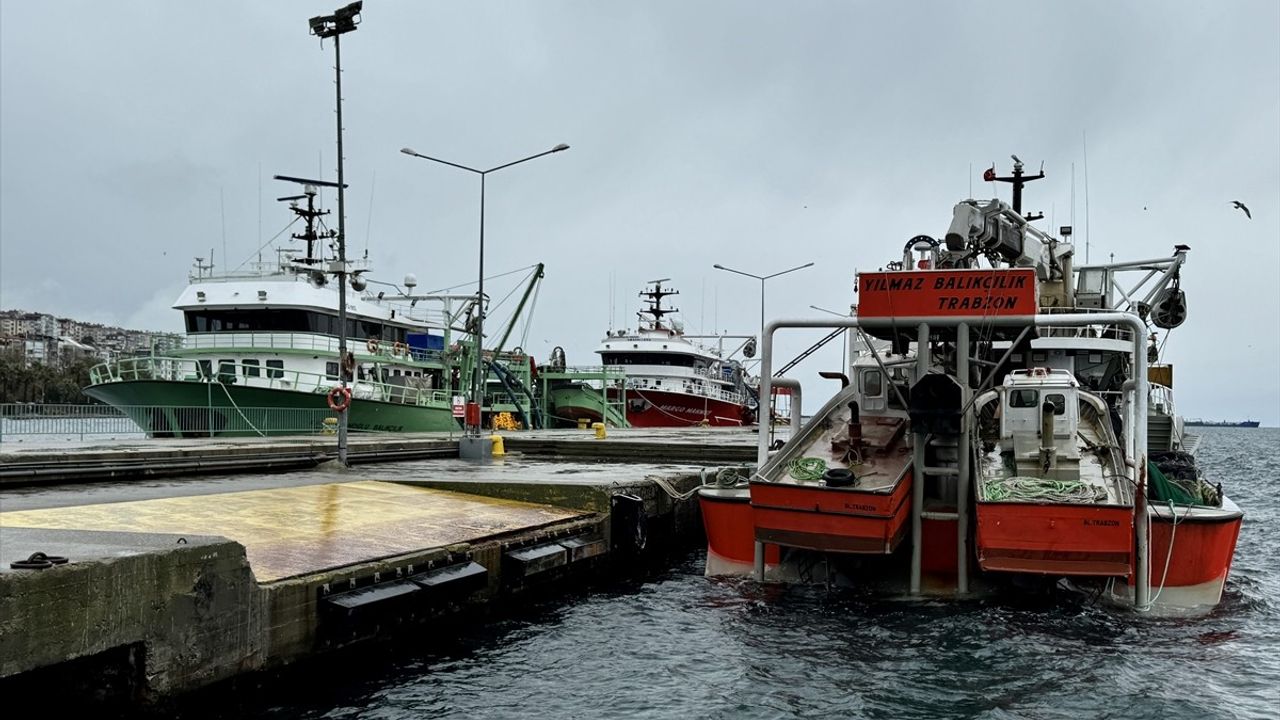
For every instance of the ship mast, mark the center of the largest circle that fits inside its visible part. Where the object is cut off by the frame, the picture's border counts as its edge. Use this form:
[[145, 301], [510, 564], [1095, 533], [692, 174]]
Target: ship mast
[[1018, 180], [654, 296]]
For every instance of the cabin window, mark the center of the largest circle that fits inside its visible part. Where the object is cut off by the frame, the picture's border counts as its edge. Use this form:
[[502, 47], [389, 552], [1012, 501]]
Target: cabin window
[[1059, 403], [1024, 398], [331, 371], [206, 368], [226, 371], [250, 368], [872, 383], [275, 368]]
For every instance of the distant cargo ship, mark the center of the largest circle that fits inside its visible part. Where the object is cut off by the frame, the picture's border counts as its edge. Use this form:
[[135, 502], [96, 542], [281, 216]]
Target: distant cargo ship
[[1220, 423]]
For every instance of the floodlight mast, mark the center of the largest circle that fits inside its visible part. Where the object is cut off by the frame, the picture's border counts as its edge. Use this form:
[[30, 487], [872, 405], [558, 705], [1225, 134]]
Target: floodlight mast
[[344, 20]]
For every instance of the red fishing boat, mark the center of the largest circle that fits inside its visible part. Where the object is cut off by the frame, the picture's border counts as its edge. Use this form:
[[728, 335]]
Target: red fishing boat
[[1017, 423]]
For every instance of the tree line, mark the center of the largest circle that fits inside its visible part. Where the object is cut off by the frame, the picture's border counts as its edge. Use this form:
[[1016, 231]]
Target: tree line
[[40, 383]]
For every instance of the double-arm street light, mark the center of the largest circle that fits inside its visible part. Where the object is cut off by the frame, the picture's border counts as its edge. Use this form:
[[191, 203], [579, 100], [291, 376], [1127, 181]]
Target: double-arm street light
[[477, 387], [762, 279]]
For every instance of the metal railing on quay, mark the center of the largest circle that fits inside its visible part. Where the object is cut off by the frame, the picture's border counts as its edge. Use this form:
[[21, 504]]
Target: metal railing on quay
[[77, 422]]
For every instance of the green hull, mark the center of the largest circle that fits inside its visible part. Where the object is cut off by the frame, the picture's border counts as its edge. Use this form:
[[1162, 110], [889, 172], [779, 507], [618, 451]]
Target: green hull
[[571, 402], [165, 408]]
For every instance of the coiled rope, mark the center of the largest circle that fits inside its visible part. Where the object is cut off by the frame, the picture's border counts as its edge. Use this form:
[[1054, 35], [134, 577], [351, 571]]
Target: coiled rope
[[1034, 489], [806, 468]]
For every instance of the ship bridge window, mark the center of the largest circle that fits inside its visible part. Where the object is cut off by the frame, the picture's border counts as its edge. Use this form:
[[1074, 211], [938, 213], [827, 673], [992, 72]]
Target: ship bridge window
[[1024, 398], [331, 371], [647, 358], [288, 320]]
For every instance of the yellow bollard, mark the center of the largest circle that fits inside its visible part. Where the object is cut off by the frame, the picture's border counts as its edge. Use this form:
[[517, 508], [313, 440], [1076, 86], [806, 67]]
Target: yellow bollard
[[583, 422], [600, 431], [498, 449]]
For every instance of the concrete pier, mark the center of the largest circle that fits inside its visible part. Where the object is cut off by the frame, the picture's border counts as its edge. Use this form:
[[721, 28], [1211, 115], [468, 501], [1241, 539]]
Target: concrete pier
[[171, 594], [53, 463]]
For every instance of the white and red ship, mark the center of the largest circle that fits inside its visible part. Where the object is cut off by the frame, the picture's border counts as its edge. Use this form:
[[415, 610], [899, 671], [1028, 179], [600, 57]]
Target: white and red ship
[[1017, 427], [667, 378]]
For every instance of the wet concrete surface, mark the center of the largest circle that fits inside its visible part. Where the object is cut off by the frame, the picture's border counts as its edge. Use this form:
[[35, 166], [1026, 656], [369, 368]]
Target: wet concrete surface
[[512, 467], [292, 531]]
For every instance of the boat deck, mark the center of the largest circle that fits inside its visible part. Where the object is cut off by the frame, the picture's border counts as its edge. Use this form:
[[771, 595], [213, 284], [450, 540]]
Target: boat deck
[[1071, 464], [883, 462]]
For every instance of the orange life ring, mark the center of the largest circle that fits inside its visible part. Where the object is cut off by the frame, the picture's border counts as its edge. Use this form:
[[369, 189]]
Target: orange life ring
[[398, 349], [339, 399], [372, 345]]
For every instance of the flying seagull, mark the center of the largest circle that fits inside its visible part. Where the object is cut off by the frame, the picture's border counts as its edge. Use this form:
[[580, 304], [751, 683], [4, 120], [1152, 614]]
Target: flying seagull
[[1240, 206]]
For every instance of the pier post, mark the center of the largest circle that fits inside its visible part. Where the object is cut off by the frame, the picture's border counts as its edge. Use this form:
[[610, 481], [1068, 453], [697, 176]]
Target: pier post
[[962, 460], [917, 467]]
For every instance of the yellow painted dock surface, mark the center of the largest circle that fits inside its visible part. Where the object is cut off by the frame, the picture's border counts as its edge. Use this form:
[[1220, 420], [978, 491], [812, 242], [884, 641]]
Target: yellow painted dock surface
[[299, 530]]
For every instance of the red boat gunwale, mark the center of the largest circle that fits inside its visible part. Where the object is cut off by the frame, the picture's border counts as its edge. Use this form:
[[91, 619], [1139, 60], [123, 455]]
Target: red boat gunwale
[[1055, 538], [830, 519]]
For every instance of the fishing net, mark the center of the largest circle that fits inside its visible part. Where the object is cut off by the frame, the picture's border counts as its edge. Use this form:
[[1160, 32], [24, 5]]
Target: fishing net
[[1182, 484]]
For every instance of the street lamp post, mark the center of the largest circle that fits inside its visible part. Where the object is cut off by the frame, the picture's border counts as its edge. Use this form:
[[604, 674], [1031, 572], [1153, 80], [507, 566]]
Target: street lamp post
[[844, 350], [762, 279], [471, 448], [344, 20]]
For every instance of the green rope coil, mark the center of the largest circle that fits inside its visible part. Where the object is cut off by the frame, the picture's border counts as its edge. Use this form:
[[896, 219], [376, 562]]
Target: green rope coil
[[1034, 489], [807, 468]]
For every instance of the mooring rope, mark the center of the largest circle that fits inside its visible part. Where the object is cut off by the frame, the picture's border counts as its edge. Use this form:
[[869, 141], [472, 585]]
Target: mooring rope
[[1034, 489], [239, 411]]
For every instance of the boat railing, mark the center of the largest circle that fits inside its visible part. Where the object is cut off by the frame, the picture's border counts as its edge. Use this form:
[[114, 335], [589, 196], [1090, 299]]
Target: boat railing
[[688, 386], [174, 369], [253, 341], [1160, 399]]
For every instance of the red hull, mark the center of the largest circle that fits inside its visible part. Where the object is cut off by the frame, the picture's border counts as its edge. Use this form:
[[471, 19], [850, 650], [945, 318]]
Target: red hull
[[1203, 543], [831, 519], [1055, 539], [726, 517], [659, 408]]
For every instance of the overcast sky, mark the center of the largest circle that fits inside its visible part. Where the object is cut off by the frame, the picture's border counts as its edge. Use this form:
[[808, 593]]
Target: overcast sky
[[758, 135]]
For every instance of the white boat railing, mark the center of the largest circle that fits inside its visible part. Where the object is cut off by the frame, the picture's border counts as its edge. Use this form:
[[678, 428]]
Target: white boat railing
[[173, 369], [689, 387], [327, 344]]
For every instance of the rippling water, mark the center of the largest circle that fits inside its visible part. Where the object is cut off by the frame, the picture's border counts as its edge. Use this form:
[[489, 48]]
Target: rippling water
[[679, 645]]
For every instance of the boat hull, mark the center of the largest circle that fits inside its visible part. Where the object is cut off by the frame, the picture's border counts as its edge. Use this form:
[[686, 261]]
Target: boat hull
[[727, 519], [1055, 538], [659, 408], [826, 519], [1197, 546], [167, 408]]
